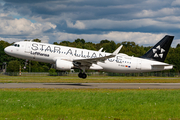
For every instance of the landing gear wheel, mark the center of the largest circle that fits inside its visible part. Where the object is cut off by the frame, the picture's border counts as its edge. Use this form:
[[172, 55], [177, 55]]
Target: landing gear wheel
[[82, 75]]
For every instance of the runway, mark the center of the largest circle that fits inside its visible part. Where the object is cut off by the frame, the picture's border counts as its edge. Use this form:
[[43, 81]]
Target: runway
[[93, 85]]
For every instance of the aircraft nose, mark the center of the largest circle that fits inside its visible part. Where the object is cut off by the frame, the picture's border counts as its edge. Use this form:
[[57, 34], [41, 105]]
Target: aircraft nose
[[7, 50]]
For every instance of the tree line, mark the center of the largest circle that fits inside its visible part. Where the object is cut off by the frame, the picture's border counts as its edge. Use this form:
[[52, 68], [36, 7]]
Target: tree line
[[129, 48]]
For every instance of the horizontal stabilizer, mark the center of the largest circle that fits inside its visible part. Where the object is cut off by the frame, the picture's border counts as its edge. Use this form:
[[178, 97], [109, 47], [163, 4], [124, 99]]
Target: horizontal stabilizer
[[162, 67]]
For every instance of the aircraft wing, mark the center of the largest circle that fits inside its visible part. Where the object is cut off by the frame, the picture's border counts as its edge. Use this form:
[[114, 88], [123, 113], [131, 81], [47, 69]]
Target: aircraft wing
[[98, 59], [94, 60]]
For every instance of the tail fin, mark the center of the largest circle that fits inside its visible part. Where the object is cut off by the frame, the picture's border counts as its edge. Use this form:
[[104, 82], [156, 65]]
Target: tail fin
[[160, 50]]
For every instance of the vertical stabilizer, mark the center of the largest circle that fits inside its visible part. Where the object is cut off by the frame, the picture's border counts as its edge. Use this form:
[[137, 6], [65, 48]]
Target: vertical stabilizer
[[160, 50]]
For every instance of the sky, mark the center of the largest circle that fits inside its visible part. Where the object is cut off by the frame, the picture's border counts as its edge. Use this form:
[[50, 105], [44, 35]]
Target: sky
[[144, 22]]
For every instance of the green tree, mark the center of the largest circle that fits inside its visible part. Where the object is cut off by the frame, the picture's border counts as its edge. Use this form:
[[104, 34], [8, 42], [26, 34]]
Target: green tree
[[64, 43], [173, 57], [104, 41], [55, 43], [90, 46], [36, 40], [13, 66], [3, 56], [80, 41], [52, 72], [109, 46], [178, 45]]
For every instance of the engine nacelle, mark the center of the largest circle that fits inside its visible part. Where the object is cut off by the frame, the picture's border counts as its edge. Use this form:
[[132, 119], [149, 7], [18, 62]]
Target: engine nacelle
[[63, 65]]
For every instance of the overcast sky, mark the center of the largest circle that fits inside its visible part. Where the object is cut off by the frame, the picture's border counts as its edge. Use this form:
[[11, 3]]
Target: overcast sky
[[143, 21]]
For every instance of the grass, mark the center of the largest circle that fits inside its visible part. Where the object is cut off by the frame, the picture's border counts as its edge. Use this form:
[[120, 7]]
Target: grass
[[90, 79], [89, 104]]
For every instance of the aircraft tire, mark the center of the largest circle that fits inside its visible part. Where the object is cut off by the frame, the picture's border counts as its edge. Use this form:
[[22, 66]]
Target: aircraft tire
[[84, 75], [80, 75]]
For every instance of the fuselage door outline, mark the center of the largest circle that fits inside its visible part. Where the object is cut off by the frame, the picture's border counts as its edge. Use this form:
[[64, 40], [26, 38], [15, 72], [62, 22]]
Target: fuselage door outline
[[27, 48]]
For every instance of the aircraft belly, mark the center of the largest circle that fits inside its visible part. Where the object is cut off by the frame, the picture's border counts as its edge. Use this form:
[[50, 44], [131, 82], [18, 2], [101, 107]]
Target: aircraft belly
[[118, 68], [41, 59]]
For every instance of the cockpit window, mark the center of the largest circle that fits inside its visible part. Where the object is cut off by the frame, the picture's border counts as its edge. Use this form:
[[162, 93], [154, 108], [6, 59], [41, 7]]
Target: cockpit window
[[16, 45]]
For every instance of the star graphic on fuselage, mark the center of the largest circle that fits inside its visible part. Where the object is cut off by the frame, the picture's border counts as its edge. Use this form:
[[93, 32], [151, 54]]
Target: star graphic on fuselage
[[158, 52]]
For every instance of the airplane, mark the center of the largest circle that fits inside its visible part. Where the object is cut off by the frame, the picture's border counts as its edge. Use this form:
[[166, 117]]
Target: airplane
[[67, 58]]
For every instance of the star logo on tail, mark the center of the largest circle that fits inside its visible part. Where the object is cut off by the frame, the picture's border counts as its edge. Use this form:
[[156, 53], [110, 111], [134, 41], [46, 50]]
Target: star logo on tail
[[158, 52]]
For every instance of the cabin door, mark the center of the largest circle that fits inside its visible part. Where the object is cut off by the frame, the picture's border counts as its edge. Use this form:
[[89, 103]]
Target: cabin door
[[138, 66], [27, 49]]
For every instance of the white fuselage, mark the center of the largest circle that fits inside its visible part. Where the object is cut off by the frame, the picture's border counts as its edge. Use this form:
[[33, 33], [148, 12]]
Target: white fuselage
[[49, 53]]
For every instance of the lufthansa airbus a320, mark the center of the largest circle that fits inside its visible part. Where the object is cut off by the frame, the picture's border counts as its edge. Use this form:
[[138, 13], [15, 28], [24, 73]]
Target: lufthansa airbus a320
[[66, 58]]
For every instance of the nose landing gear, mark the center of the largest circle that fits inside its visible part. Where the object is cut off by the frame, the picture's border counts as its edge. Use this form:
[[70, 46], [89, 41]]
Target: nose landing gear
[[26, 62]]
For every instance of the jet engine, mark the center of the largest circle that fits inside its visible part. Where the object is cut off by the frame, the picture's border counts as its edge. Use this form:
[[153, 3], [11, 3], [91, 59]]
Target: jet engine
[[63, 65]]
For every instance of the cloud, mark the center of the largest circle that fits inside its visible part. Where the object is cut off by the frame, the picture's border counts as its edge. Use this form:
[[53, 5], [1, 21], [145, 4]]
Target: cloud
[[78, 24], [54, 20], [137, 37], [126, 24], [170, 19], [176, 3], [145, 39], [11, 40], [158, 13], [23, 27], [13, 30]]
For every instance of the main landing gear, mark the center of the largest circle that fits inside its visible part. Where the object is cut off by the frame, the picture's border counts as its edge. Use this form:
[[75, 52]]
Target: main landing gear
[[82, 75]]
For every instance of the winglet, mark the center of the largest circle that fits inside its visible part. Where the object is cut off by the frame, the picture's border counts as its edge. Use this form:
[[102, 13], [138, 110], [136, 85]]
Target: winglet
[[117, 50], [100, 50]]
